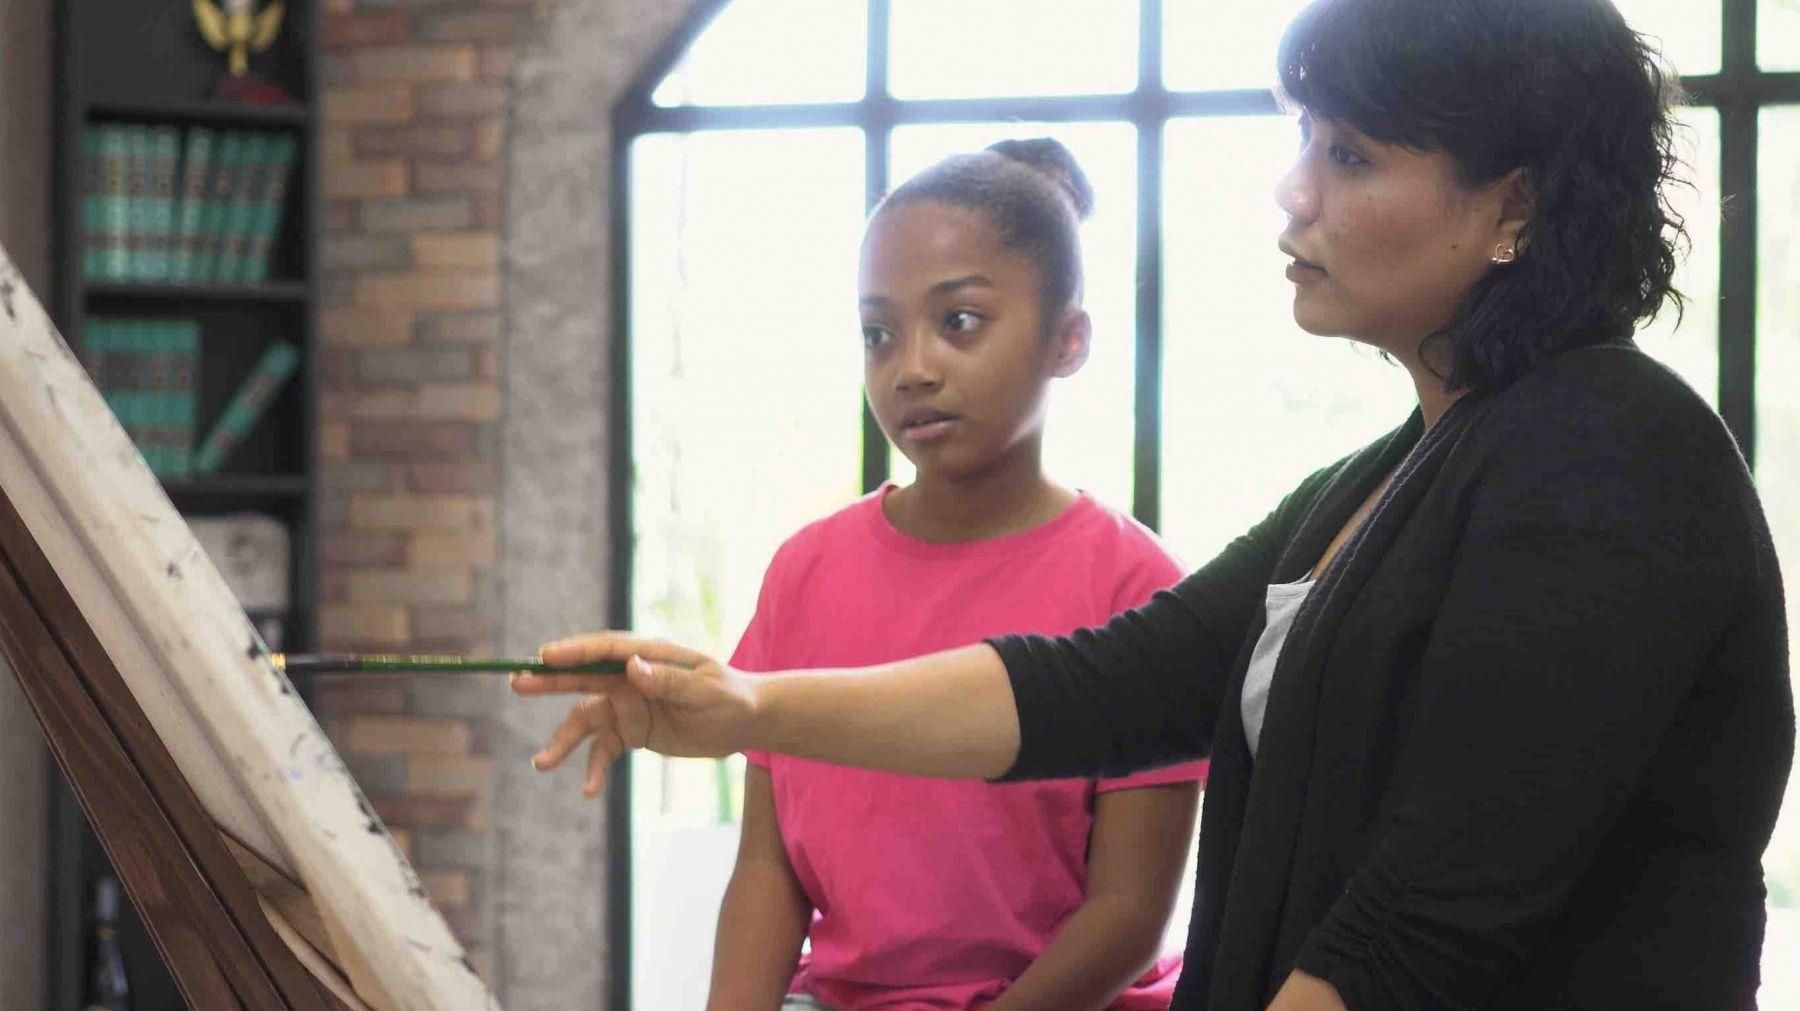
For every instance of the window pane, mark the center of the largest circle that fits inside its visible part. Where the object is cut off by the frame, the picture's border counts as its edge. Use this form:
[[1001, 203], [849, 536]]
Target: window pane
[[1690, 33], [1778, 479], [745, 364], [1692, 347], [1087, 441], [1251, 403], [1778, 34], [773, 51], [1204, 50], [995, 48]]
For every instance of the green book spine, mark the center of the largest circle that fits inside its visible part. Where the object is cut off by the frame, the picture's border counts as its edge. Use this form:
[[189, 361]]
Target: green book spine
[[122, 373], [234, 240], [138, 213], [220, 180], [115, 158], [93, 218], [94, 353], [159, 214], [184, 402], [145, 393], [196, 161], [247, 405], [270, 203], [164, 335]]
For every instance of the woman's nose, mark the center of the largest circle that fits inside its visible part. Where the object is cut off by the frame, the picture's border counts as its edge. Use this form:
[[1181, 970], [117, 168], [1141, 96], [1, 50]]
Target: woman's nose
[[1296, 195]]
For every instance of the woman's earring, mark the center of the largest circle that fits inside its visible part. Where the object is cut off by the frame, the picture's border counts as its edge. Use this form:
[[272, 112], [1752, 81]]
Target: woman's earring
[[1504, 253]]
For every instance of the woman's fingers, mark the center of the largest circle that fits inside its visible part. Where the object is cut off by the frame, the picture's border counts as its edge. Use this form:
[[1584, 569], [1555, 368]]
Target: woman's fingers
[[584, 718], [529, 683], [600, 646], [658, 681], [607, 747]]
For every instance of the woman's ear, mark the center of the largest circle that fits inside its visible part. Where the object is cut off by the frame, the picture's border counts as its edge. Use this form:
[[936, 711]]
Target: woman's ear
[[1518, 203], [1074, 339]]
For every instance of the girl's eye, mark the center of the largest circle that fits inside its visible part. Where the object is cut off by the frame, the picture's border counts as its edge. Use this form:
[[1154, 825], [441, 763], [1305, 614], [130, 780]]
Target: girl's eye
[[873, 337], [962, 321], [1344, 156]]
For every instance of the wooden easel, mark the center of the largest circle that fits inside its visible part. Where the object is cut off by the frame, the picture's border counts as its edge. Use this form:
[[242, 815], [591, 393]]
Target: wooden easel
[[186, 878]]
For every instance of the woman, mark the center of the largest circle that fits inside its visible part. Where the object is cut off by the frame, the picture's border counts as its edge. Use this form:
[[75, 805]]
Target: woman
[[1521, 741]]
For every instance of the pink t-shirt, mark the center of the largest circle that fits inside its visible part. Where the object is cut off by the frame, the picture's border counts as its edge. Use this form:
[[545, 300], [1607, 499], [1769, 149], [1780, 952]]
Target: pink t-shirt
[[938, 894]]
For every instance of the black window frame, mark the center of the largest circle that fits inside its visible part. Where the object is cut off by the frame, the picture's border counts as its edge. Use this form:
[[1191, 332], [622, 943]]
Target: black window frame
[[1739, 91]]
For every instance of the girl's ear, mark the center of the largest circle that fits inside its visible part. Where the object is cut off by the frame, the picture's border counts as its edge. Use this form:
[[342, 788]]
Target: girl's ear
[[1074, 339]]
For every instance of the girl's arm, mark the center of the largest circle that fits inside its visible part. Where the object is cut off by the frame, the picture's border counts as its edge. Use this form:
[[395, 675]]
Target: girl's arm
[[764, 917], [1139, 849]]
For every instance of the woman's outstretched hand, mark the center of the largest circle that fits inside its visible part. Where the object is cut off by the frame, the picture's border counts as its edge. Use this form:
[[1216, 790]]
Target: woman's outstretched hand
[[671, 700]]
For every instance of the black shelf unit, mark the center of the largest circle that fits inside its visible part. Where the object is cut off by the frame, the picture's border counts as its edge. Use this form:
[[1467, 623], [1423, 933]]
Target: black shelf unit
[[129, 62]]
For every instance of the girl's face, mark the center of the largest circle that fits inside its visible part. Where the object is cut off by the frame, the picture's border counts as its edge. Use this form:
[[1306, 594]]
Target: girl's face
[[957, 356], [1387, 243]]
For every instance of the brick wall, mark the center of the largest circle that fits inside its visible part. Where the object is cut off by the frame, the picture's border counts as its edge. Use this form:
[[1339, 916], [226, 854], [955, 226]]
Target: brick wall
[[465, 177], [415, 131]]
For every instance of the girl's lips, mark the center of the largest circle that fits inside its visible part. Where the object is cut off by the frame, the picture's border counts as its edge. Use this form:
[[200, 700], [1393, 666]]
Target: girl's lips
[[930, 430]]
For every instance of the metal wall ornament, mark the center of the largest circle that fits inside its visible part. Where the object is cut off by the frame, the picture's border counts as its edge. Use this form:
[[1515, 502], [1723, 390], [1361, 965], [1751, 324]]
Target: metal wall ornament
[[237, 30]]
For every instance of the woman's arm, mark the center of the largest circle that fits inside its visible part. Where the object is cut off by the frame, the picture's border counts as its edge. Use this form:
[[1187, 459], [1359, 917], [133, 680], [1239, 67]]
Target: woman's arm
[[948, 715], [1307, 993], [1139, 850], [764, 917], [1143, 690]]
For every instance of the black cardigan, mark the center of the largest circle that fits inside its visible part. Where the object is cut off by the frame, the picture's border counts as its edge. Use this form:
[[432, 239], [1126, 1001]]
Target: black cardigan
[[1526, 741]]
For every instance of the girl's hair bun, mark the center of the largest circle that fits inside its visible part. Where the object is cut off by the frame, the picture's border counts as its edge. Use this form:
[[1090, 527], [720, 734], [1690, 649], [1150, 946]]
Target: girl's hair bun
[[1047, 155]]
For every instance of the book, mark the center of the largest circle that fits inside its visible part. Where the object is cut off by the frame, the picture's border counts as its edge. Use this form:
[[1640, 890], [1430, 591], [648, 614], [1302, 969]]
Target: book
[[196, 164], [271, 201], [221, 180], [115, 202], [94, 353], [247, 405], [137, 206], [145, 379], [183, 399], [159, 209], [93, 209], [234, 234]]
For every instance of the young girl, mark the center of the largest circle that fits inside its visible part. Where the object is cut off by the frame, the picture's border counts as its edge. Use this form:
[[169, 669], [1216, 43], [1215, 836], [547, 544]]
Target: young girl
[[920, 893]]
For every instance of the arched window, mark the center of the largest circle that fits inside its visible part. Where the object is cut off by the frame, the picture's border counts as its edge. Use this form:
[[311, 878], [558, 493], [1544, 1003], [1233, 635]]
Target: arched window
[[746, 157]]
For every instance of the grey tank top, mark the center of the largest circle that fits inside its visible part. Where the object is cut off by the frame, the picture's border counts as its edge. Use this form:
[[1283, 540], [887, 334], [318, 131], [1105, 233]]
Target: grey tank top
[[1282, 604]]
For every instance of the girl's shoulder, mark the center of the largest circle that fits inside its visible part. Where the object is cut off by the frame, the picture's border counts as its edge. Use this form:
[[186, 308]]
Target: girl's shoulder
[[1129, 560], [848, 529]]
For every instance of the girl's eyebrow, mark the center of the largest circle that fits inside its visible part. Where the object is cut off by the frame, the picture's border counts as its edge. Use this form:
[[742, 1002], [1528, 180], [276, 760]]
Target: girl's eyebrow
[[956, 283]]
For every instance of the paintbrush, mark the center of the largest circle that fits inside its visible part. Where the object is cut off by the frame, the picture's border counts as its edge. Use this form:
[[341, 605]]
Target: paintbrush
[[392, 663]]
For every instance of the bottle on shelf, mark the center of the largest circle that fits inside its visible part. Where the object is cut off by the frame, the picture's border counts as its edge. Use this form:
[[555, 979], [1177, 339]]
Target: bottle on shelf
[[108, 987]]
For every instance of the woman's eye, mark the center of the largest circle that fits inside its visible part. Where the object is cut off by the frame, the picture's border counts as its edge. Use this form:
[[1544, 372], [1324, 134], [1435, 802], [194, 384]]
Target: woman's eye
[[962, 321], [873, 336], [1344, 156]]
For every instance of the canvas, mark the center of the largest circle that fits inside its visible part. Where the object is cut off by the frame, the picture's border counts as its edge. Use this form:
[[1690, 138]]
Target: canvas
[[260, 869]]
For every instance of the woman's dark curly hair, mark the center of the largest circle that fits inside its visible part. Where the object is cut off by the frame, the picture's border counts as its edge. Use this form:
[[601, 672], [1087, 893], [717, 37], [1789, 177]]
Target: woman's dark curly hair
[[1561, 88]]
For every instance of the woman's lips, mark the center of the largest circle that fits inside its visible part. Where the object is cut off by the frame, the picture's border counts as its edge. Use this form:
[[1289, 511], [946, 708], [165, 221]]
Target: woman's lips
[[1301, 271]]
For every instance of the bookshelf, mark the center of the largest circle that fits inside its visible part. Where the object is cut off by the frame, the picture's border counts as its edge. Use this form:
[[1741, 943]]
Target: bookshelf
[[127, 65]]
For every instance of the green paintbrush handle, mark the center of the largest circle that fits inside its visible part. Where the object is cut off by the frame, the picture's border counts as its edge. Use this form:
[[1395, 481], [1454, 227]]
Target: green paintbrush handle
[[383, 663]]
